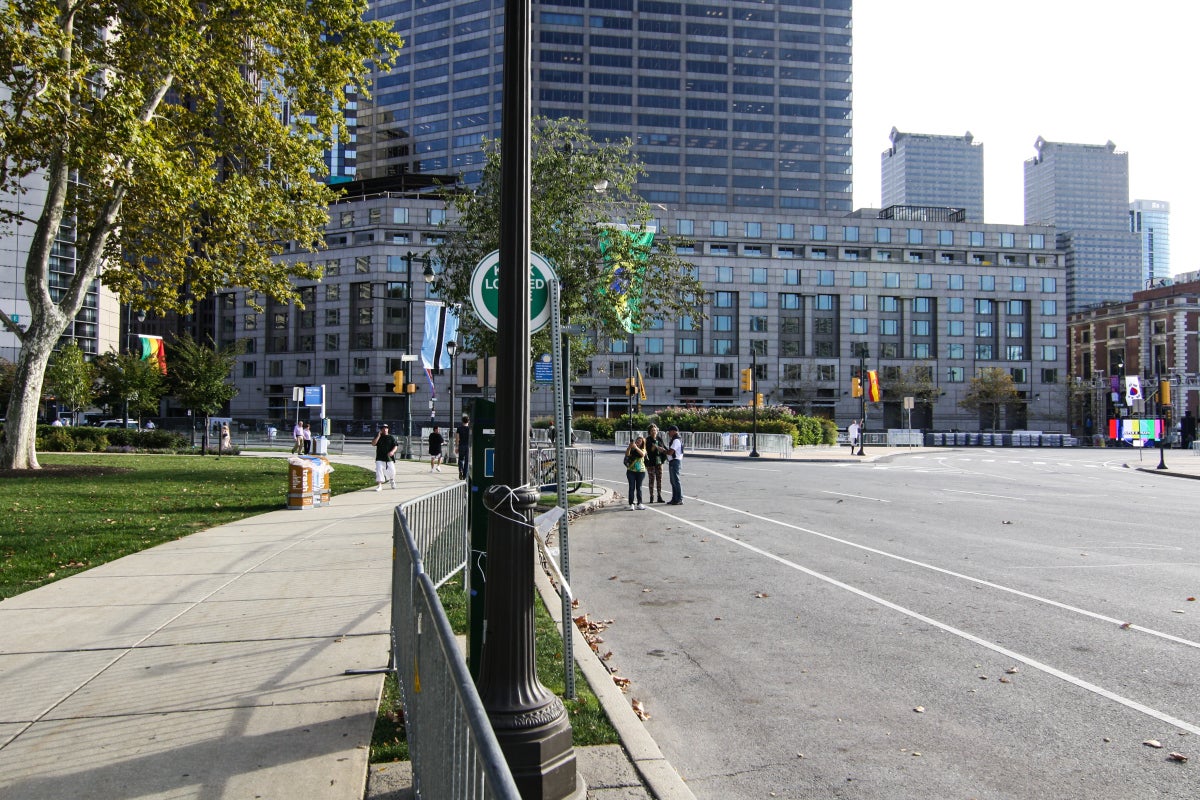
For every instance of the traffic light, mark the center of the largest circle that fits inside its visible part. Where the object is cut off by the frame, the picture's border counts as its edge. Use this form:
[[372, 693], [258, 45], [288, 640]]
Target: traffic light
[[398, 381], [630, 386], [758, 401], [856, 387], [1164, 393], [747, 380]]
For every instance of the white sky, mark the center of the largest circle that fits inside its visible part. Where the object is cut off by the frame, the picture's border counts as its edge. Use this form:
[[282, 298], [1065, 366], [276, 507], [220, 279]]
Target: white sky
[[1012, 70]]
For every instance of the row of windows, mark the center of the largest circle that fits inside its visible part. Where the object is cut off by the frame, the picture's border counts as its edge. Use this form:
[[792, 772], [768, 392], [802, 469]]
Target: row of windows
[[888, 280], [855, 233]]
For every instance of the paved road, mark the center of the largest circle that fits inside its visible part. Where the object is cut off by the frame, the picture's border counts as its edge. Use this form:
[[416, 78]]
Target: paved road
[[943, 625]]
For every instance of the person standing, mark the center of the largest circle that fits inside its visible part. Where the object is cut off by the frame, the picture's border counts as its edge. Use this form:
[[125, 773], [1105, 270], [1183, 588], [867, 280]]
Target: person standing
[[635, 471], [385, 458], [852, 433], [297, 438], [463, 435], [674, 464], [656, 454], [307, 439], [1187, 430], [435, 450], [226, 440]]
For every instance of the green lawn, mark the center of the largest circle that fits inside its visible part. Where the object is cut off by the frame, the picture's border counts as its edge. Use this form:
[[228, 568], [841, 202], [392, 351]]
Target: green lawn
[[84, 510]]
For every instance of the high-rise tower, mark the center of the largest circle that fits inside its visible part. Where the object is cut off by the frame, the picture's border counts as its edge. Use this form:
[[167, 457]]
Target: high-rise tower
[[922, 169], [728, 107], [1083, 190], [1150, 221]]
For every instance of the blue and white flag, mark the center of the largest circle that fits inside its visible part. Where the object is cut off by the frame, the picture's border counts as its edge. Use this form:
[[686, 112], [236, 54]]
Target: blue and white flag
[[441, 326]]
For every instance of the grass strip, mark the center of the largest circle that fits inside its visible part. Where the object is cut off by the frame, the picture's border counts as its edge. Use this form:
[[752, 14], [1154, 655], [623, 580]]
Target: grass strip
[[81, 511], [589, 723]]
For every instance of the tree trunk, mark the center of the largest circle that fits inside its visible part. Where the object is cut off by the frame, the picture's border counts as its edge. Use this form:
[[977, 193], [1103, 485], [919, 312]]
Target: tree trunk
[[20, 428]]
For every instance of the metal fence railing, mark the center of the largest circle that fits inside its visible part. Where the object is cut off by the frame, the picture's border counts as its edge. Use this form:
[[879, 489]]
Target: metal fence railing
[[543, 469], [777, 443], [453, 749]]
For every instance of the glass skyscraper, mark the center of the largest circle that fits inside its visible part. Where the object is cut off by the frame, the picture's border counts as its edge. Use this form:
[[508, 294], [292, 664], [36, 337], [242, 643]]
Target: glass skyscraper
[[1083, 190], [921, 169], [728, 106], [1150, 221]]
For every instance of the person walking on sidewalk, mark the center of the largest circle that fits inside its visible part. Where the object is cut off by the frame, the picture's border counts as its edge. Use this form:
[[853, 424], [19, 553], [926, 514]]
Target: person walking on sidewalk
[[674, 464], [385, 458], [463, 435], [635, 471], [435, 450], [297, 438], [656, 454], [307, 438]]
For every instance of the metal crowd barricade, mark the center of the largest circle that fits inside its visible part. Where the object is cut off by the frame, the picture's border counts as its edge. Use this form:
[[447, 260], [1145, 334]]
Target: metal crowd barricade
[[453, 749], [541, 461]]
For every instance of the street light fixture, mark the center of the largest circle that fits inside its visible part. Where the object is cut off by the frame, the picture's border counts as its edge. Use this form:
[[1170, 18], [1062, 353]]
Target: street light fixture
[[863, 353]]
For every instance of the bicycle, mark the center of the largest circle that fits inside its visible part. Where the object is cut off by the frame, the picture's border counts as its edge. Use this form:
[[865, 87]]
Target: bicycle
[[543, 474]]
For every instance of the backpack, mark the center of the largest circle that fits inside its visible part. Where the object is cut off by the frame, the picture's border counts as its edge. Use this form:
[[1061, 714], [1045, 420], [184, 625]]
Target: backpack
[[630, 457]]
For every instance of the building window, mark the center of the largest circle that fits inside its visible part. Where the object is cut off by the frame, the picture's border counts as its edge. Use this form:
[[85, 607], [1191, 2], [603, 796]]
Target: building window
[[889, 327], [1014, 330], [825, 302], [921, 305], [1016, 308], [786, 230], [722, 323], [858, 302], [1019, 375], [362, 366], [724, 274], [954, 305], [722, 347], [976, 238], [956, 375], [891, 280], [956, 351], [858, 326], [758, 324], [758, 274], [685, 227], [858, 278], [1008, 239], [720, 227], [983, 330], [818, 233], [758, 299], [883, 235], [399, 217], [955, 327], [825, 277], [983, 306], [920, 350], [249, 368], [983, 352], [946, 238], [332, 366], [924, 280], [790, 301], [920, 327], [1049, 352], [791, 277], [1014, 352], [987, 283], [689, 347], [654, 345], [915, 235], [850, 233], [954, 282], [1049, 375], [1049, 285], [689, 370], [753, 230], [1049, 308], [888, 303], [724, 299], [333, 341], [758, 347]]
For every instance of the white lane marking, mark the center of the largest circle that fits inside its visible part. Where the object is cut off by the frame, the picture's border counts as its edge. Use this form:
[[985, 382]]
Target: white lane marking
[[970, 637], [982, 494], [1119, 566], [1133, 546], [959, 575], [757, 469], [856, 496]]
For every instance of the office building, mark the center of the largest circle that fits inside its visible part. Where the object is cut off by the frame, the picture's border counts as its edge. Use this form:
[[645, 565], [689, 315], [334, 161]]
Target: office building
[[728, 107], [923, 297], [922, 169], [1150, 221], [1083, 190]]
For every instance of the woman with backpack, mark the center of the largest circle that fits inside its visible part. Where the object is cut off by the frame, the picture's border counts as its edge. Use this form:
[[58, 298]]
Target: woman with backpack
[[635, 471]]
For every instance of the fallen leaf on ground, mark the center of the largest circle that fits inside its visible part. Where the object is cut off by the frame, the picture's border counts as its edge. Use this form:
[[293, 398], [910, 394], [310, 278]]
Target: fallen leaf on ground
[[761, 594], [1152, 743], [919, 709], [640, 710], [1126, 625], [1180, 757], [623, 683]]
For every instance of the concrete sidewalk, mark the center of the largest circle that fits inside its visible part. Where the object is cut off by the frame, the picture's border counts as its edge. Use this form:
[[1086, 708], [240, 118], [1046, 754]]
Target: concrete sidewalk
[[211, 666]]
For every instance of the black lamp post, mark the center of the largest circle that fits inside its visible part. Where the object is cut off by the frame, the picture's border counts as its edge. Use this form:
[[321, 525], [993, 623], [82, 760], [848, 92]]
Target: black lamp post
[[141, 317], [862, 397], [452, 351], [530, 721], [754, 400]]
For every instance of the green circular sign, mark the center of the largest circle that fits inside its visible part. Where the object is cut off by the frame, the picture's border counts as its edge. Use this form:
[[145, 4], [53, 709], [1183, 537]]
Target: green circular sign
[[485, 290]]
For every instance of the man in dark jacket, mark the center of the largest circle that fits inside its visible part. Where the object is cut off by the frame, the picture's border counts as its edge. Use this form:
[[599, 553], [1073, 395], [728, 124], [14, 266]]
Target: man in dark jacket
[[656, 454]]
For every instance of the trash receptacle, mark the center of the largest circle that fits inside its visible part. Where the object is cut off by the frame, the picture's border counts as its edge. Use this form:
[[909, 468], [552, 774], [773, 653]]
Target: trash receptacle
[[320, 445], [743, 441], [308, 482]]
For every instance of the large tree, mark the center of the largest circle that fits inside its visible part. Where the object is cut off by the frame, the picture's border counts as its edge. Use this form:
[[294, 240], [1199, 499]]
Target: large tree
[[199, 377], [179, 146], [72, 379], [990, 391], [129, 383], [583, 200]]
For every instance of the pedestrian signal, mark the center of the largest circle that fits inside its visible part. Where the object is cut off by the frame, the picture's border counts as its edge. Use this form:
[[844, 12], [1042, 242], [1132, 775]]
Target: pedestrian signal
[[747, 380], [758, 400]]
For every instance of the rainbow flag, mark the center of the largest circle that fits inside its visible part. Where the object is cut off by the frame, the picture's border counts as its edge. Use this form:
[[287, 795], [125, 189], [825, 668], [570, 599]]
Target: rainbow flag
[[153, 350]]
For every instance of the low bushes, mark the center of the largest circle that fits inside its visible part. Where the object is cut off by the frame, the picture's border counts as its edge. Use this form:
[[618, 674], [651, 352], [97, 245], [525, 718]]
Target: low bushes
[[771, 419], [78, 439]]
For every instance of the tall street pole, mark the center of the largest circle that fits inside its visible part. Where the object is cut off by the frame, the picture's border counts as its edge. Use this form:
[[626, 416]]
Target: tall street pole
[[862, 398], [754, 401], [530, 722]]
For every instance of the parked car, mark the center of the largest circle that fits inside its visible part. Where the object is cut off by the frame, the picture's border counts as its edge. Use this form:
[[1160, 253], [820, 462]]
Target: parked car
[[117, 423]]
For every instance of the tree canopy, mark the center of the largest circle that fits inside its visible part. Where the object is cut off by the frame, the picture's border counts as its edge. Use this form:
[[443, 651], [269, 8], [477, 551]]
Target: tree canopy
[[582, 199], [71, 379], [180, 146], [990, 390]]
